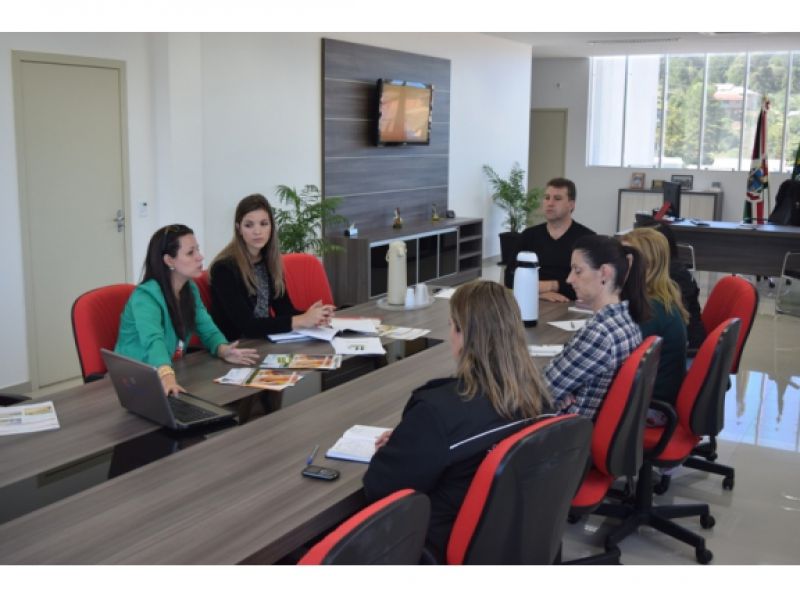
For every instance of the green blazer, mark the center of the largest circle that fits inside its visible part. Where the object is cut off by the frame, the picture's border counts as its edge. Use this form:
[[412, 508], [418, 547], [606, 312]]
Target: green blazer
[[146, 332]]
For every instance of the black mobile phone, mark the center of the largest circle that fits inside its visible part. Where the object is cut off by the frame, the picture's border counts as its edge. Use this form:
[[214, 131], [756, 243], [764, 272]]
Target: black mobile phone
[[317, 472]]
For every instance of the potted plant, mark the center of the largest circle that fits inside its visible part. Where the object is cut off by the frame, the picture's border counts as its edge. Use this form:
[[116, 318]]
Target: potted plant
[[510, 195], [301, 229]]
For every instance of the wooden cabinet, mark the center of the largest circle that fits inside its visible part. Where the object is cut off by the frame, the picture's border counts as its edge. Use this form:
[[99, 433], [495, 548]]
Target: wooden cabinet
[[703, 206], [446, 252]]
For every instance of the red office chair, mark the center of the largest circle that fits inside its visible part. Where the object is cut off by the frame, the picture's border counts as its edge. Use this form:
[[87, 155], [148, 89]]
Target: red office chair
[[95, 325], [618, 437], [515, 510], [732, 297], [204, 287], [390, 531], [306, 281], [699, 407]]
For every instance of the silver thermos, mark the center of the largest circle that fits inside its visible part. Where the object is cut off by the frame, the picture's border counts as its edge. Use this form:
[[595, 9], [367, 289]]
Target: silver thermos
[[526, 287]]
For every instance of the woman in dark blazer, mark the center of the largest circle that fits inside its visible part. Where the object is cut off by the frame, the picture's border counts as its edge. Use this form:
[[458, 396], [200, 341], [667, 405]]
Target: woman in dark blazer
[[449, 424], [248, 290]]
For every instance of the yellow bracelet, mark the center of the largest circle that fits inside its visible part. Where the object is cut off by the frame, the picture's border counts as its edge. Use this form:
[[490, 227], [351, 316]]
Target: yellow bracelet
[[165, 370]]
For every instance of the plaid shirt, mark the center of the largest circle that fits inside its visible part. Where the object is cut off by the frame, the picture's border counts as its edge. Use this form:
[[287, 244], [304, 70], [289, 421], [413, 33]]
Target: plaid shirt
[[581, 374]]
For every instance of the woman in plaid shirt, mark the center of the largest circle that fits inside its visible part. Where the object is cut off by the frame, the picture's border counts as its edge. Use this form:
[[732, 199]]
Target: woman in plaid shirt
[[609, 278]]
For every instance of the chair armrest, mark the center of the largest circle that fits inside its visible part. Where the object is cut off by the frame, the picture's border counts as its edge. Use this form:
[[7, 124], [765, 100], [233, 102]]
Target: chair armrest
[[669, 428]]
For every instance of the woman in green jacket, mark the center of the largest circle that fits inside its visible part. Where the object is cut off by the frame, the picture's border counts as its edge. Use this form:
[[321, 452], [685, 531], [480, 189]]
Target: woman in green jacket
[[165, 309]]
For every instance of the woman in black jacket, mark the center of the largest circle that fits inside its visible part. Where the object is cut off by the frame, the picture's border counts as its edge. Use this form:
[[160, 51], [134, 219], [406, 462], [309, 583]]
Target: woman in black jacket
[[449, 424], [248, 291]]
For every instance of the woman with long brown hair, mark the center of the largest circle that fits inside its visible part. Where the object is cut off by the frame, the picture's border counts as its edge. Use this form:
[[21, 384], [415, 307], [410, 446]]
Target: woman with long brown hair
[[449, 424], [249, 297]]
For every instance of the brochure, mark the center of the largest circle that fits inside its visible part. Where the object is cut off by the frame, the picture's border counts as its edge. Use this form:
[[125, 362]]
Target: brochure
[[545, 350], [358, 345], [401, 333], [302, 361], [266, 379], [27, 418]]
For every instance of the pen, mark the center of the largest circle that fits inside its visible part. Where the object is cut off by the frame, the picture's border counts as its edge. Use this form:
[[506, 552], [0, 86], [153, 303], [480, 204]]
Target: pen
[[311, 456]]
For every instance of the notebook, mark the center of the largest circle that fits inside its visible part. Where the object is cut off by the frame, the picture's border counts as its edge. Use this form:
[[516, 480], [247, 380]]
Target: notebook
[[356, 444], [139, 390]]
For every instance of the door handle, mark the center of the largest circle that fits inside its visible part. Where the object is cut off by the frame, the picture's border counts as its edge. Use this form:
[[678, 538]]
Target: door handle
[[120, 220]]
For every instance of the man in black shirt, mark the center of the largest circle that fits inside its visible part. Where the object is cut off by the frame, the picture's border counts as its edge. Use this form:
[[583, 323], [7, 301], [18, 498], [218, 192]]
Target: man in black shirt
[[552, 241]]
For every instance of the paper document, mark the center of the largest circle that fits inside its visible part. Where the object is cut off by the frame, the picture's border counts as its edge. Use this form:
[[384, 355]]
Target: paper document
[[291, 336], [265, 379], [578, 309], [401, 333], [318, 333], [569, 325], [27, 418], [551, 350], [357, 324], [446, 293], [359, 345], [302, 361], [356, 444]]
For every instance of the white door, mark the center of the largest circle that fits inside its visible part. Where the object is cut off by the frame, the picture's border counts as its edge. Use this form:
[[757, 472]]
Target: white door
[[548, 146], [71, 148]]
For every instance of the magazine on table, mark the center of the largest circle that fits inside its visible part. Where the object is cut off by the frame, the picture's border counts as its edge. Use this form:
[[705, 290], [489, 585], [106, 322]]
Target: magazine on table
[[28, 418], [302, 361], [267, 379]]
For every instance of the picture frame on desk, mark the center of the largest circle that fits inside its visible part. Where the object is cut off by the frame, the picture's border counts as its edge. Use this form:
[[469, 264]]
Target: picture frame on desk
[[685, 181], [637, 181]]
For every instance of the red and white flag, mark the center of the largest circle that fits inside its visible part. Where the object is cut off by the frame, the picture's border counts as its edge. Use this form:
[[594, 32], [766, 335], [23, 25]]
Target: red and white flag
[[756, 205]]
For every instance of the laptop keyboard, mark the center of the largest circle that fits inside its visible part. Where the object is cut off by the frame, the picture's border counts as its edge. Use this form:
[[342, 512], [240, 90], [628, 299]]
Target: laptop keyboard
[[188, 413]]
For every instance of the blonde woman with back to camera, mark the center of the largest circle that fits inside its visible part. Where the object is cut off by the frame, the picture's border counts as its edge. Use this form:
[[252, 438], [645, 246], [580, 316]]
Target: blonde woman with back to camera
[[449, 424]]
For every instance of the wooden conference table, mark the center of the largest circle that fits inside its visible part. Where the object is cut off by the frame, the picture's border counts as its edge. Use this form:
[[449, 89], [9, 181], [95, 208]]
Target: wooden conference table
[[237, 497], [734, 248]]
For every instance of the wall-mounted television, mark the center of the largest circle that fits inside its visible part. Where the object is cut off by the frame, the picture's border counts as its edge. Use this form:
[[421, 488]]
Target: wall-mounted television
[[404, 112]]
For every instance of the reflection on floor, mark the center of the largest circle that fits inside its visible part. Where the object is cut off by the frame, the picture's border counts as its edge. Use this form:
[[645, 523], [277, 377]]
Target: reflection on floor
[[758, 522]]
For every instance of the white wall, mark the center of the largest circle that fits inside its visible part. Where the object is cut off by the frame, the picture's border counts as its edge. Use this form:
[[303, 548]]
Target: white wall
[[564, 83], [213, 117]]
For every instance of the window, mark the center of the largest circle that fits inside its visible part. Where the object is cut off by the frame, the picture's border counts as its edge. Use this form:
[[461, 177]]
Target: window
[[693, 111]]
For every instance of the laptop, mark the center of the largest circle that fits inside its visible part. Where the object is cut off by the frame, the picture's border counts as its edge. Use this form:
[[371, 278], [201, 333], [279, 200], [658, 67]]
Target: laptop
[[139, 390]]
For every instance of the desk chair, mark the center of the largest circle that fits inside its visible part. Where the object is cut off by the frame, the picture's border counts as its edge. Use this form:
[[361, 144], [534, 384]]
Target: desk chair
[[731, 297], [787, 301], [618, 437], [686, 256], [306, 281], [95, 325], [204, 287], [699, 409], [390, 531], [515, 510]]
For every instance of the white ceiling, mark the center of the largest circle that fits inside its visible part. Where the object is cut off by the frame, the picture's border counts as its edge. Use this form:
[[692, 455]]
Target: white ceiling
[[610, 44]]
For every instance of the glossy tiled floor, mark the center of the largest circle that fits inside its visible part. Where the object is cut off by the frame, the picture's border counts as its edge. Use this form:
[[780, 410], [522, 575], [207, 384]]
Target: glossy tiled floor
[[758, 522]]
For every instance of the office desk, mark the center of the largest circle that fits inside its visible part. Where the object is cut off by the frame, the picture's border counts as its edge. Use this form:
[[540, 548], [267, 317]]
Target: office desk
[[731, 248], [237, 497]]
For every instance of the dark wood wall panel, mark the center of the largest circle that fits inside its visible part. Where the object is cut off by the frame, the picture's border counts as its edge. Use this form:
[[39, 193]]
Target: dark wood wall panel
[[354, 139], [377, 210], [358, 62], [372, 179], [350, 176]]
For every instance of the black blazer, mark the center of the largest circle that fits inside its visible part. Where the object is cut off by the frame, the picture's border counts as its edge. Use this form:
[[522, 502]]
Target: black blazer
[[232, 305]]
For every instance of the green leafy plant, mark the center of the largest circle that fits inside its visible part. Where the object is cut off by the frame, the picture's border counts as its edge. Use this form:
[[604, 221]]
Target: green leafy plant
[[510, 195], [301, 227]]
